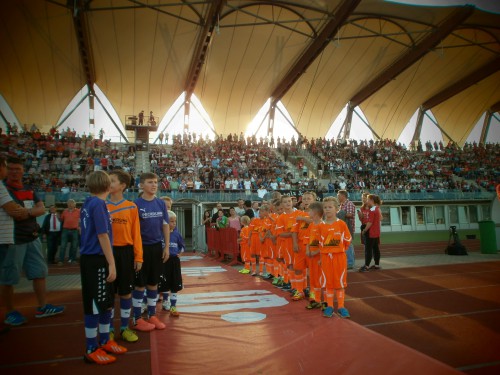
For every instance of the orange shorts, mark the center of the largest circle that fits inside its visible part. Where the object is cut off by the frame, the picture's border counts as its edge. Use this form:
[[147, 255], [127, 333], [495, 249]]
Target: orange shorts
[[255, 245], [245, 253], [314, 271], [333, 270], [267, 249], [299, 259]]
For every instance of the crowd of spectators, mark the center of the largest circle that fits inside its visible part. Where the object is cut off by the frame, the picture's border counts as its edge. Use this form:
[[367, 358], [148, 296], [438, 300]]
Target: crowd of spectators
[[386, 166], [60, 160], [226, 163]]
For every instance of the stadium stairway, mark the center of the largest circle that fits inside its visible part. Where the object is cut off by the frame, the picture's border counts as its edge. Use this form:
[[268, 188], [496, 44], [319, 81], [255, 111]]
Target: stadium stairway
[[142, 164], [291, 167]]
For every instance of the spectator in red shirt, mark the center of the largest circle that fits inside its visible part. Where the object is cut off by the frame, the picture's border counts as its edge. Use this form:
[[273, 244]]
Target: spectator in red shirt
[[372, 229]]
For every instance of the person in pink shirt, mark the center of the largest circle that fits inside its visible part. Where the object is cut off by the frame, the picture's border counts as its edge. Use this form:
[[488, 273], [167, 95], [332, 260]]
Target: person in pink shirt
[[234, 219], [70, 219]]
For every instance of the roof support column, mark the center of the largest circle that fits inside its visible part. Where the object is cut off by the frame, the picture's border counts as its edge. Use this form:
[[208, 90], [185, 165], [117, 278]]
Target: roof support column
[[418, 127], [343, 11], [348, 121], [80, 23], [486, 126], [416, 53], [272, 112], [187, 112]]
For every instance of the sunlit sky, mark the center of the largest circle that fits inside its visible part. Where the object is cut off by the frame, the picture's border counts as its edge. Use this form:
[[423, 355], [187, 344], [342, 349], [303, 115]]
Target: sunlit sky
[[492, 6], [172, 122]]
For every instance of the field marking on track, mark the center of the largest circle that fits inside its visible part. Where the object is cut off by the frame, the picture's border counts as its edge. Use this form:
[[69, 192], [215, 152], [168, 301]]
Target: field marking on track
[[422, 292], [225, 301], [477, 366], [430, 318], [187, 258], [201, 271], [420, 277], [59, 360]]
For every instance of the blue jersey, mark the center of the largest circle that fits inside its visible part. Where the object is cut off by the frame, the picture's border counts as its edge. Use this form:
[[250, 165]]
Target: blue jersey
[[152, 215], [94, 220], [176, 243]]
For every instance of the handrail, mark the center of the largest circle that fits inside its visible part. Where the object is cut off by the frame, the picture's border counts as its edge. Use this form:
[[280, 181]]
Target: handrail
[[233, 196]]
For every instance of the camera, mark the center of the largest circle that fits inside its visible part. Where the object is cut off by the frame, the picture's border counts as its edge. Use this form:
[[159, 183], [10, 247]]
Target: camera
[[453, 230]]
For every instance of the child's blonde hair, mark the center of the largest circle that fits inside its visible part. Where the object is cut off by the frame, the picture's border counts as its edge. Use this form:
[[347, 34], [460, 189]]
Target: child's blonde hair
[[98, 182], [311, 193], [245, 220], [334, 200], [316, 207]]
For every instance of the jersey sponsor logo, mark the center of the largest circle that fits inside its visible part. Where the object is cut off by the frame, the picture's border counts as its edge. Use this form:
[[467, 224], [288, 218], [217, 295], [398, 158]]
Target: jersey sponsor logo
[[119, 220], [149, 215], [201, 271], [227, 301]]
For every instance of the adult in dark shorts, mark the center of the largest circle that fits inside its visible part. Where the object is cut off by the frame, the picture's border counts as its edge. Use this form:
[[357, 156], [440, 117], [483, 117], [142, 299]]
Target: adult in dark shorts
[[26, 253]]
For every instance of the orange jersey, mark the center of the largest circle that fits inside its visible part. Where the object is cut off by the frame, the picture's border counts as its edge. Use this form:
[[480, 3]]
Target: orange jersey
[[302, 228], [125, 225], [256, 226], [313, 236], [244, 235], [335, 237], [287, 223]]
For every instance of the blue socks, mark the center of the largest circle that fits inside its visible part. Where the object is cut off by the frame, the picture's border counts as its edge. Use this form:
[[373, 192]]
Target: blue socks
[[173, 299], [152, 295], [125, 307], [104, 320], [91, 322], [137, 296]]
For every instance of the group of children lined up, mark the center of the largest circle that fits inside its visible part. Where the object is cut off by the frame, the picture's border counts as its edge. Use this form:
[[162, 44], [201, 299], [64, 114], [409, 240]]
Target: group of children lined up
[[130, 248], [297, 245]]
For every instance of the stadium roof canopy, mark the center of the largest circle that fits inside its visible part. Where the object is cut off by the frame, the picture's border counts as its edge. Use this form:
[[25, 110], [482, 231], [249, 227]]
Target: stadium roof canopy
[[315, 56]]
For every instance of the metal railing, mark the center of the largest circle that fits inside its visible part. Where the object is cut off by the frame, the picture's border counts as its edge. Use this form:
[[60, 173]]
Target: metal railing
[[233, 196]]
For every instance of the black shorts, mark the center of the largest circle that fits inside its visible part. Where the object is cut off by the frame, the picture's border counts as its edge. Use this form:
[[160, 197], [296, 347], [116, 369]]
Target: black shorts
[[171, 278], [124, 261], [97, 293], [152, 267]]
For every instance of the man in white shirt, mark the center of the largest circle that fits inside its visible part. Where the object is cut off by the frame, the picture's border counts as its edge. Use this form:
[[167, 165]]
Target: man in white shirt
[[51, 227], [240, 210], [261, 192]]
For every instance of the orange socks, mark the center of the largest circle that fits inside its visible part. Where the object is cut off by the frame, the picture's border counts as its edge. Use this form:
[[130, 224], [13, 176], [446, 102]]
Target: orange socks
[[329, 297], [276, 268], [340, 297], [269, 266], [286, 276]]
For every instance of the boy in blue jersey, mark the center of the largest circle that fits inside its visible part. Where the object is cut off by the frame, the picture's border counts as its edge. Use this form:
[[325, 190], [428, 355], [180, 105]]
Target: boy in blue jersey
[[155, 233], [97, 267], [171, 279]]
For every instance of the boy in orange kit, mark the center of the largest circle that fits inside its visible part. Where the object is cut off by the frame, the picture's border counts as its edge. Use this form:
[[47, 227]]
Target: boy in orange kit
[[243, 241], [255, 243], [266, 245], [127, 248], [285, 230], [313, 238], [335, 239], [269, 245], [277, 210], [299, 261]]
